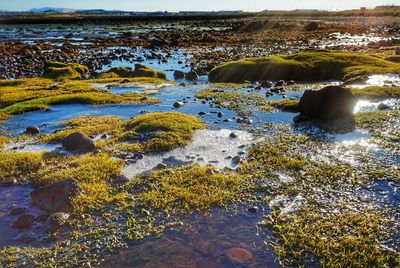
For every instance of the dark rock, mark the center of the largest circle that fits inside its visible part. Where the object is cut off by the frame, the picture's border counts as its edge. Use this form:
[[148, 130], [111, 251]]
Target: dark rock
[[122, 179], [266, 84], [178, 104], [24, 221], [179, 75], [17, 211], [57, 196], [236, 160], [201, 113], [331, 102], [383, 106], [300, 118], [192, 75], [56, 221], [233, 135], [32, 130], [79, 142], [252, 209], [239, 255], [161, 166], [220, 114], [312, 26]]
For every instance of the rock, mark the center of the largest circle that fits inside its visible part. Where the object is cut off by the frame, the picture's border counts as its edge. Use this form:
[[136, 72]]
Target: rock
[[201, 113], [161, 166], [79, 142], [383, 106], [17, 211], [331, 102], [192, 75], [220, 114], [312, 26], [233, 135], [57, 196], [239, 255], [9, 183], [122, 179], [56, 221], [179, 75], [299, 118], [278, 84], [266, 84], [32, 130], [252, 209], [24, 221], [236, 160], [178, 104]]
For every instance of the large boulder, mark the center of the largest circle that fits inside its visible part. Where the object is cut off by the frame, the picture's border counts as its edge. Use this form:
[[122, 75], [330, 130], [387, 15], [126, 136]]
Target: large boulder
[[79, 142], [332, 102], [57, 196]]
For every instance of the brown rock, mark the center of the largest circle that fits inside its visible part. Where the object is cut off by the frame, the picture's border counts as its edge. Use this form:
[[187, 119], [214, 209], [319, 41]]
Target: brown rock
[[56, 221], [331, 102], [17, 211], [239, 255], [57, 196], [79, 142], [24, 221]]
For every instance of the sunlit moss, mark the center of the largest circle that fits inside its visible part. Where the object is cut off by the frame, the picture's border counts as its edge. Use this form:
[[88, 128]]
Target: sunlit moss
[[189, 188], [376, 92], [303, 66], [140, 71], [3, 141], [335, 239], [162, 131], [60, 71], [286, 105], [22, 167]]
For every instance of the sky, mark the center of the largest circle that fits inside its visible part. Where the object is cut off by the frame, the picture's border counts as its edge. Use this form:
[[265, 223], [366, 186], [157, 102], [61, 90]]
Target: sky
[[178, 5]]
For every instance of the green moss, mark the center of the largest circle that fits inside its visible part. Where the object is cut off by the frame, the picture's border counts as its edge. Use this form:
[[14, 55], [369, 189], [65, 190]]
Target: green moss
[[303, 66], [162, 131], [189, 188], [140, 71], [22, 167], [286, 105], [347, 239], [394, 58], [376, 92], [60, 71]]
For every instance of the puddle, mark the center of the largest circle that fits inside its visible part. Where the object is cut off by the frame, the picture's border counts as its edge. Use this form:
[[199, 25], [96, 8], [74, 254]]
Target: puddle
[[214, 147], [18, 197], [31, 147], [381, 80], [207, 242]]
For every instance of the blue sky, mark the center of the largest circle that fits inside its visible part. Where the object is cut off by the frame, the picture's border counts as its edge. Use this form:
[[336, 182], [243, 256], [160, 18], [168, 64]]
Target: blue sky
[[176, 5]]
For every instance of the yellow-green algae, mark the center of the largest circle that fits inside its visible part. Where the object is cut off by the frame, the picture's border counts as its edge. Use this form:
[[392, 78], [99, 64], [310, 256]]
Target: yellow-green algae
[[376, 92], [60, 71], [140, 71], [303, 66]]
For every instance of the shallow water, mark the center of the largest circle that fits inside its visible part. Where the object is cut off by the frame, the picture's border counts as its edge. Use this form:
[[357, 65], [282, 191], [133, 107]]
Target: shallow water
[[205, 242]]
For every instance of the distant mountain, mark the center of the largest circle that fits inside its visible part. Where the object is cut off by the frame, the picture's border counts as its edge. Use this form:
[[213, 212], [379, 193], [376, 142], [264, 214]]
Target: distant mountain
[[51, 10]]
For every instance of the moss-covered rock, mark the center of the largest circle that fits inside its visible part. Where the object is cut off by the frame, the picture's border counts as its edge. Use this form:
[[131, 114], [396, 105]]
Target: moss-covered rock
[[140, 71], [303, 66], [62, 71]]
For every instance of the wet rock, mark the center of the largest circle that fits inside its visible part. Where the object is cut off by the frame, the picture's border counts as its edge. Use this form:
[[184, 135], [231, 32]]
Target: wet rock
[[57, 196], [179, 75], [331, 102], [239, 255], [178, 104], [252, 209], [32, 130], [279, 84], [17, 211], [24, 221], [161, 166], [56, 221], [79, 142], [201, 113], [220, 114], [236, 160], [383, 106], [192, 75], [360, 80], [312, 26], [233, 135], [266, 84]]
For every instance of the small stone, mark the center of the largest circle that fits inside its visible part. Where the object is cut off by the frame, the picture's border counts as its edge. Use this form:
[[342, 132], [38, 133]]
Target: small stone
[[239, 255], [122, 179], [17, 211], [383, 106], [236, 160], [252, 209], [56, 221], [179, 75], [161, 166], [233, 135], [220, 114], [178, 104], [32, 130], [201, 113], [24, 221]]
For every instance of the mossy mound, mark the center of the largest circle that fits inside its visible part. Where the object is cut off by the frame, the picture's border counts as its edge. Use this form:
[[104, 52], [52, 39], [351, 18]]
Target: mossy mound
[[286, 105], [303, 66], [162, 131], [62, 71], [140, 71]]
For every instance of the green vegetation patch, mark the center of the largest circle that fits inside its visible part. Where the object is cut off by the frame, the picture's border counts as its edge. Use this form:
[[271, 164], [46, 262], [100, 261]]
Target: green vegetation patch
[[303, 66], [61, 71], [140, 71], [286, 105], [189, 188], [376, 92], [162, 131]]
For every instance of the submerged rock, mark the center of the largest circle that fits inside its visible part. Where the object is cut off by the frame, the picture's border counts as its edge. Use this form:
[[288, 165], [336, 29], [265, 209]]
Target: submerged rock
[[24, 221], [192, 75], [79, 142], [32, 130], [239, 255], [56, 221], [331, 102], [178, 104], [57, 196]]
